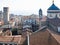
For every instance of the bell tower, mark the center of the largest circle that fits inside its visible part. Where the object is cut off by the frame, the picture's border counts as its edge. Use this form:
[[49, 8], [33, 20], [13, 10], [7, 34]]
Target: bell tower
[[40, 13]]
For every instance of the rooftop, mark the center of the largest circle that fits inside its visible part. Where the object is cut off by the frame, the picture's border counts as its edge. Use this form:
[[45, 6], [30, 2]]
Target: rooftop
[[56, 36], [9, 39]]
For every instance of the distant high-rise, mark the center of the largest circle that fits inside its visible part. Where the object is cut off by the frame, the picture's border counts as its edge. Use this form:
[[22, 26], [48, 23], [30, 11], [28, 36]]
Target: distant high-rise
[[5, 14], [40, 13], [1, 15]]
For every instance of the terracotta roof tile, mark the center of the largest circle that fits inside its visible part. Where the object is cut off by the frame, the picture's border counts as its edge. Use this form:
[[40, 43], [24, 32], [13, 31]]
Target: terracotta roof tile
[[15, 39]]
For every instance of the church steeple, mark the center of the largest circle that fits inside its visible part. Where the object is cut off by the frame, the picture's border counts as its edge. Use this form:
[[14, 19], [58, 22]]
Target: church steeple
[[40, 13]]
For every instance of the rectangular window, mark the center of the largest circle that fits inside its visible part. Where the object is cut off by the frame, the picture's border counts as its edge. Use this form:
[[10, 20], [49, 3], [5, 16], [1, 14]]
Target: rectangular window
[[50, 15], [1, 44], [58, 29]]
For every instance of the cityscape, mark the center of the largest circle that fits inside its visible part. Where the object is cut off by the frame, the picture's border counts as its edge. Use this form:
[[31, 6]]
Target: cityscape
[[34, 29]]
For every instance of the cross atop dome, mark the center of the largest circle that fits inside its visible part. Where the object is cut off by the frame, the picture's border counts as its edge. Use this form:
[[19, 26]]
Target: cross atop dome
[[53, 1]]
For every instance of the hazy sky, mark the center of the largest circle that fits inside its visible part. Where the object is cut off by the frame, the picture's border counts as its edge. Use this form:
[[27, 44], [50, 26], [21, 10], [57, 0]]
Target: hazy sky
[[27, 7]]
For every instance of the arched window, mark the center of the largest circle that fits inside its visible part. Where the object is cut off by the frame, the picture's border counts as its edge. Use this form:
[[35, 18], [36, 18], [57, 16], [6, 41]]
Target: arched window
[[51, 15]]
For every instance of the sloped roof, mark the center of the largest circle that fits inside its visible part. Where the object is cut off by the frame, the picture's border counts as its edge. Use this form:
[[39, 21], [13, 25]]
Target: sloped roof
[[55, 35]]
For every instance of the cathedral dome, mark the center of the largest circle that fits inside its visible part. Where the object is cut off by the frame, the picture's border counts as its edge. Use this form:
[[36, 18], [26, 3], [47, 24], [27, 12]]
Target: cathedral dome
[[53, 7]]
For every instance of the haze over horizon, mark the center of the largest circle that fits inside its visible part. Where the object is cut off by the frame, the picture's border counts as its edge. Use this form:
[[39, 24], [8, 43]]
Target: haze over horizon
[[27, 7]]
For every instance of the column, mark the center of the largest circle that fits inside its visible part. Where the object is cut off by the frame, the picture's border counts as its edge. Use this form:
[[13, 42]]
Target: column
[[7, 44], [3, 43]]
